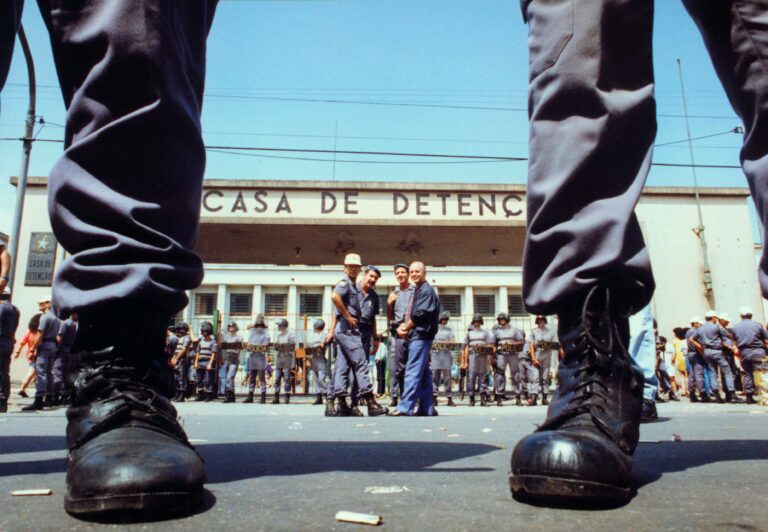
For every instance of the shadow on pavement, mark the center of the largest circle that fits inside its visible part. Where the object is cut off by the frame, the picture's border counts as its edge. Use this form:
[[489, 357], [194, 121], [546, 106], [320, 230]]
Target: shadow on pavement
[[237, 461], [653, 460]]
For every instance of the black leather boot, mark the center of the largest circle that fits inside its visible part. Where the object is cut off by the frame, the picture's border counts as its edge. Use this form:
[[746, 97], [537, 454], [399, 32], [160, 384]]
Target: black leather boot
[[129, 458], [393, 404], [330, 408], [200, 397], [343, 410], [450, 402], [648, 414], [210, 396], [705, 398], [483, 399], [499, 401], [3, 406], [544, 400], [434, 399], [583, 450], [751, 399], [532, 400], [718, 397], [318, 399], [263, 398], [356, 412], [731, 397], [374, 408], [37, 404], [518, 401], [249, 399], [276, 400], [48, 401], [692, 397], [471, 400], [287, 398]]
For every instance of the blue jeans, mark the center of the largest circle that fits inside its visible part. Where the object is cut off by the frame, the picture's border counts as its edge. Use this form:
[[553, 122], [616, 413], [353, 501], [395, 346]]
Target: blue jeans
[[642, 349], [418, 379]]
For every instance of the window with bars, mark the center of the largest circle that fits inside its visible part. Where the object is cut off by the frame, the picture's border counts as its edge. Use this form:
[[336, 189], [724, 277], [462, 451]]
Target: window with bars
[[515, 305], [205, 304], [451, 303], [383, 302], [311, 304], [485, 304], [275, 304], [240, 304]]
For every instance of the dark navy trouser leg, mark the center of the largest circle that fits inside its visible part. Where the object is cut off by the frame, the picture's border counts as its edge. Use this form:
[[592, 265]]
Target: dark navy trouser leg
[[124, 198]]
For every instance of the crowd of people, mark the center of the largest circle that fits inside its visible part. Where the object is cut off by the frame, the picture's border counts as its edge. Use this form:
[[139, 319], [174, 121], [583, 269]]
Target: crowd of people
[[700, 360]]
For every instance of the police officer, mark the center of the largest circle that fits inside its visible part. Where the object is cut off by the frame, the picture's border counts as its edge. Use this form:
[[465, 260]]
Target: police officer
[[752, 340], [256, 362], [231, 345], [442, 360], [711, 336], [61, 365], [9, 323], [285, 360], [543, 345], [369, 309], [476, 361], [730, 350], [45, 346], [206, 353], [351, 354], [509, 351], [316, 340], [694, 354], [397, 304], [171, 341], [180, 361]]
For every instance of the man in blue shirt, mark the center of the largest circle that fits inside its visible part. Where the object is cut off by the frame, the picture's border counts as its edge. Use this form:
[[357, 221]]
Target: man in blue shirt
[[419, 327]]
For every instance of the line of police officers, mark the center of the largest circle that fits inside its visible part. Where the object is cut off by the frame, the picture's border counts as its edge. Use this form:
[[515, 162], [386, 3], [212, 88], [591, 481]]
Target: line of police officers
[[483, 356], [712, 344]]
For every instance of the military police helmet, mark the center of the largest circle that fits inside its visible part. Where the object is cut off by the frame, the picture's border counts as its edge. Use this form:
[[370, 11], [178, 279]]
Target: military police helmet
[[444, 316], [232, 324], [503, 316], [182, 327], [206, 328], [319, 324], [282, 324], [477, 318]]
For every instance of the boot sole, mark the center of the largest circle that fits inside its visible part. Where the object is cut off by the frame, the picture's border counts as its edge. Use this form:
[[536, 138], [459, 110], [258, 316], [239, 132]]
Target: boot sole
[[140, 506], [540, 488]]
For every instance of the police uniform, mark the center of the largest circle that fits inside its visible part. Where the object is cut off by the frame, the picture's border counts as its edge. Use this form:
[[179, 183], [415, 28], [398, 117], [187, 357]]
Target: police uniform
[[318, 363], [400, 354], [171, 341], [712, 336], [285, 360], [540, 338], [46, 352], [750, 336], [67, 332], [507, 355], [369, 309], [181, 369], [231, 345], [696, 362], [205, 362], [256, 363], [9, 323], [351, 354], [442, 362], [477, 363]]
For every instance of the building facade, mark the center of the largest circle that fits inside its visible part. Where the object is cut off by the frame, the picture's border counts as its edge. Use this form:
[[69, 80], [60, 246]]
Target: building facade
[[276, 248]]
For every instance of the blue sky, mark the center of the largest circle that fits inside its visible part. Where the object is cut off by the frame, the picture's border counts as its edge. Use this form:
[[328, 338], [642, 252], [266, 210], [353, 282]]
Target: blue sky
[[412, 66]]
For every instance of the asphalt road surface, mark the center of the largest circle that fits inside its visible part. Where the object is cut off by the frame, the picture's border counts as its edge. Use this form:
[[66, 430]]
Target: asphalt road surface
[[286, 467]]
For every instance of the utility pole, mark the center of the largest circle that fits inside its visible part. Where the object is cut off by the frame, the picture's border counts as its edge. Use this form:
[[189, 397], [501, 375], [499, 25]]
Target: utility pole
[[699, 231], [21, 186]]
